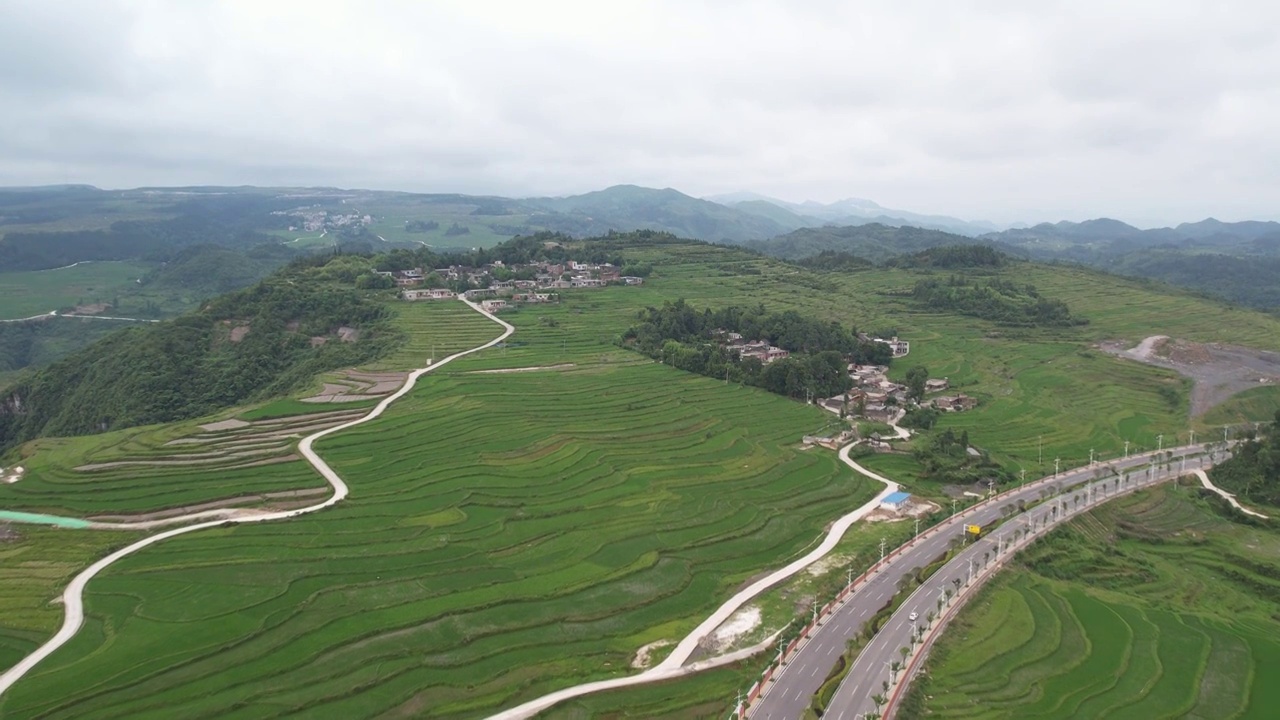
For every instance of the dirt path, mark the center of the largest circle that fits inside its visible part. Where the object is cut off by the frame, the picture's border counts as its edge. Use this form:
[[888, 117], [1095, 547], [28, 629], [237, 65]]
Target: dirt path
[[1208, 484], [1218, 371], [73, 596]]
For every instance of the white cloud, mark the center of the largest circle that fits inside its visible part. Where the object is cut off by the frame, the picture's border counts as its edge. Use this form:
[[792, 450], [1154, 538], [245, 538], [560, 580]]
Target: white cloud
[[1151, 112]]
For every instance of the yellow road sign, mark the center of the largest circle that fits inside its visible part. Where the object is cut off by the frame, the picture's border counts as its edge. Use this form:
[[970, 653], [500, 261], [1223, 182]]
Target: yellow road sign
[[975, 529]]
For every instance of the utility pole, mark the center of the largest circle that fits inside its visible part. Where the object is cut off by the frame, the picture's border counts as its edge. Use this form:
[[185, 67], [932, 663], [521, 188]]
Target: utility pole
[[917, 527], [953, 507], [1023, 472], [1041, 453], [1159, 443], [1055, 466], [970, 571], [1091, 457], [1224, 434], [1193, 437], [848, 576], [882, 547], [1126, 449]]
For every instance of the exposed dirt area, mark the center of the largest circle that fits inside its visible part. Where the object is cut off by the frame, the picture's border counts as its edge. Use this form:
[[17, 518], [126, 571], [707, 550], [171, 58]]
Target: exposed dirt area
[[353, 385], [1219, 371], [11, 475], [643, 656], [278, 500], [8, 534], [738, 625], [239, 332]]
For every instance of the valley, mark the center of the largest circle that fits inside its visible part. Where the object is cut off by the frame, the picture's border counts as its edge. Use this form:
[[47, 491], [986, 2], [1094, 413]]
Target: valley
[[554, 519]]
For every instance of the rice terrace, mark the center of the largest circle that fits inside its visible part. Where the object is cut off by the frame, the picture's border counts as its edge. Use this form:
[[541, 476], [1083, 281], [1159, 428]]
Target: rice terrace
[[557, 508]]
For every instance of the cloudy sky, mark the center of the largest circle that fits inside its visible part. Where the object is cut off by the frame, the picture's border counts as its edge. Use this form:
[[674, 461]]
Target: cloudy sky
[[1150, 112]]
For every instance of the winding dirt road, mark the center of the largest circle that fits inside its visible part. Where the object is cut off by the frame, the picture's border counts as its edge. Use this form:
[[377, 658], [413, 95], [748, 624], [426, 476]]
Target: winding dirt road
[[73, 596], [674, 665]]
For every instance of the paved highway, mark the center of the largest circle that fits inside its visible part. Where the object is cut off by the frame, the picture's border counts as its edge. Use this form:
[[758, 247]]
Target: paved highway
[[792, 689]]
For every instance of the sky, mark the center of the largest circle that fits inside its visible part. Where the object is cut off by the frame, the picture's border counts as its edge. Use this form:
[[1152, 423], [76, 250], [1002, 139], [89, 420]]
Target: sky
[[1149, 112]]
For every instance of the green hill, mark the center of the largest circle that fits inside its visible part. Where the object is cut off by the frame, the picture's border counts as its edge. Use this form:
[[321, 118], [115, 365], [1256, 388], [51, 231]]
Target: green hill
[[629, 207], [252, 343]]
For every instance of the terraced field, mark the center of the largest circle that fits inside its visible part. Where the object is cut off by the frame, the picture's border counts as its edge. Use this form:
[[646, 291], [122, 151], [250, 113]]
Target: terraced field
[[506, 534], [1171, 612], [511, 533], [23, 294]]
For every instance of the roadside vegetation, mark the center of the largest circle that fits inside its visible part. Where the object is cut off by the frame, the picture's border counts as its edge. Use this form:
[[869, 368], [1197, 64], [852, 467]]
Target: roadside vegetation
[[556, 520], [1157, 605]]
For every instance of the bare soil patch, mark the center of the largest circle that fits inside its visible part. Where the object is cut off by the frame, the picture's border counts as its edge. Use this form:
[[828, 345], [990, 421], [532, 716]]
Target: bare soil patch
[[1219, 371]]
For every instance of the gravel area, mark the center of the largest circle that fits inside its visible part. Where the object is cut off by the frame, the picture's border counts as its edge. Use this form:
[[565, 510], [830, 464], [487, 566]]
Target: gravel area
[[1219, 371]]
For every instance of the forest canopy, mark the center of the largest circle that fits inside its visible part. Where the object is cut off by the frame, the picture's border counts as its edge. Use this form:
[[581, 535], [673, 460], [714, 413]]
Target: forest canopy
[[681, 336]]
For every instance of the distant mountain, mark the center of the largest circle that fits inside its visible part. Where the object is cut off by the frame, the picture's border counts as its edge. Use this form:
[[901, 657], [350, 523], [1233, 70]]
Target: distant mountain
[[858, 211], [1238, 261], [1081, 240], [873, 241], [630, 207]]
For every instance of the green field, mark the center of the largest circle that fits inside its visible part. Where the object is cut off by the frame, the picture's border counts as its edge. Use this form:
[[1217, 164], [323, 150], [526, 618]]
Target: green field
[[509, 534], [552, 521], [24, 294], [1152, 606]]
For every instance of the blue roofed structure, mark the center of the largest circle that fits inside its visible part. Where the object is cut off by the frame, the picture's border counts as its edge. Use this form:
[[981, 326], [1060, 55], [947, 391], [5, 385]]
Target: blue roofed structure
[[895, 501]]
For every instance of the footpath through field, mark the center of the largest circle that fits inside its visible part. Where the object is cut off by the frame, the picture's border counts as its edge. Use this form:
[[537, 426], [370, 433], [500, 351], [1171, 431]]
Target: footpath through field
[[73, 596]]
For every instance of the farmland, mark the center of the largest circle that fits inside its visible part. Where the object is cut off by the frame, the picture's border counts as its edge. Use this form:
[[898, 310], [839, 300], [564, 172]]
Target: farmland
[[1152, 606], [629, 497], [512, 533], [25, 294]]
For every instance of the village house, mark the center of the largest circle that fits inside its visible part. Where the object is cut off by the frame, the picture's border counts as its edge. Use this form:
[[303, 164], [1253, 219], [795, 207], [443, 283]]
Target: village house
[[493, 305], [936, 384], [955, 403], [632, 280], [429, 294]]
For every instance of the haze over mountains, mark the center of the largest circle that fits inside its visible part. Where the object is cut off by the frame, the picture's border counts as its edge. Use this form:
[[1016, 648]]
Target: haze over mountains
[[1239, 261]]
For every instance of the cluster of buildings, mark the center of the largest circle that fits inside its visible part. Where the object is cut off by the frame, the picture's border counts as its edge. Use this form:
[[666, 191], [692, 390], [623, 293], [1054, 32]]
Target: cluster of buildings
[[312, 219], [899, 348], [758, 349], [501, 294], [878, 398]]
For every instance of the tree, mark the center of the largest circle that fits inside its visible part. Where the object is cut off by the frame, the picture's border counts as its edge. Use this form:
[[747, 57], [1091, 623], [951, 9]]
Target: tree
[[916, 378]]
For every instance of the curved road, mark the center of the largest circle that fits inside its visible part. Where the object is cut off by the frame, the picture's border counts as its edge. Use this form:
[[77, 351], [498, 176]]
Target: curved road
[[73, 596], [793, 687], [674, 664]]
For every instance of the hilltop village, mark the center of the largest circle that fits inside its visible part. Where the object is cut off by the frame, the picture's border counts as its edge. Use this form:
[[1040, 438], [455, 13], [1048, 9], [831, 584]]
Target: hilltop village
[[498, 286]]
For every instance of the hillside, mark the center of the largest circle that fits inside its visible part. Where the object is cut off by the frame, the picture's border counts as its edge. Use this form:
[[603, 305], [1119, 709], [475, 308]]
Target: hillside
[[642, 495], [873, 241], [852, 211], [251, 343], [628, 207], [1235, 261]]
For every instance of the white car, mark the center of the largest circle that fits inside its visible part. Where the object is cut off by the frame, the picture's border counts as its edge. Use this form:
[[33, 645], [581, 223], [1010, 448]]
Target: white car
[[912, 617]]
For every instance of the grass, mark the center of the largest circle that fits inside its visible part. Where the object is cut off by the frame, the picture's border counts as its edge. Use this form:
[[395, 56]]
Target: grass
[[1172, 614], [600, 506], [34, 567], [509, 534], [1258, 404], [24, 294]]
